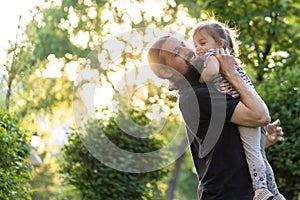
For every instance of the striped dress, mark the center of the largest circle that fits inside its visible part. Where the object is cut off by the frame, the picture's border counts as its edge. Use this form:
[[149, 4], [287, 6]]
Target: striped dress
[[221, 84]]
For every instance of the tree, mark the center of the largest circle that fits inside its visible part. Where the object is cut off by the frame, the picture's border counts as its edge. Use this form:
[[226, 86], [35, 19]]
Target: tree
[[71, 31], [65, 34], [19, 64], [30, 96]]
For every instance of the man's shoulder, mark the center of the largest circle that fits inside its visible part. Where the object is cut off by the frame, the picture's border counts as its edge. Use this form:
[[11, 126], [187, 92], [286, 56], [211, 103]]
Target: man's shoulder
[[194, 88], [194, 94]]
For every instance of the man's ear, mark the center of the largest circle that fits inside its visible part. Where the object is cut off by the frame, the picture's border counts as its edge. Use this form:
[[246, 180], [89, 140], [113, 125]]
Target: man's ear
[[166, 73]]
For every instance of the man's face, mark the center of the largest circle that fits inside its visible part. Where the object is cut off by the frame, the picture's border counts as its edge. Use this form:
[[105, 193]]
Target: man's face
[[181, 58]]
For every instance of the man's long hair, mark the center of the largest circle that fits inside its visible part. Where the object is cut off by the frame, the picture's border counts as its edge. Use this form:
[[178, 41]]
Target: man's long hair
[[156, 62]]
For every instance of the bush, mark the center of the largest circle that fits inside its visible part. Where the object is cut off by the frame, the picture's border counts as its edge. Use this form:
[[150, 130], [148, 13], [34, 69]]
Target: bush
[[95, 180], [14, 160], [281, 92]]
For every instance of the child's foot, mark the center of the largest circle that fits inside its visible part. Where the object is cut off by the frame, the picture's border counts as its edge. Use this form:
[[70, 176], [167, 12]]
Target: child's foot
[[263, 194]]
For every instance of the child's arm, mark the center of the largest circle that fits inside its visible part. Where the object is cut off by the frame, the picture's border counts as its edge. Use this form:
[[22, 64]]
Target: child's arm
[[211, 70]]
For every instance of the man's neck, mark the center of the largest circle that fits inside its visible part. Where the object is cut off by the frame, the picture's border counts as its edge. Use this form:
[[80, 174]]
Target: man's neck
[[183, 83]]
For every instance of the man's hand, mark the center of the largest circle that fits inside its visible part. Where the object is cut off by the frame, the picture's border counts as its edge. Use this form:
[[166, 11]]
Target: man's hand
[[226, 61], [251, 110], [274, 133]]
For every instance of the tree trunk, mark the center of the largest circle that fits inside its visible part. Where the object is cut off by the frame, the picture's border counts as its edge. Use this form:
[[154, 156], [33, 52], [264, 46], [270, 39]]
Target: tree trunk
[[172, 183]]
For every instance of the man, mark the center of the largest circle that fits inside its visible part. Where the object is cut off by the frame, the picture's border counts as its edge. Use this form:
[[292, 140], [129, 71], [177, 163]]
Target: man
[[211, 119]]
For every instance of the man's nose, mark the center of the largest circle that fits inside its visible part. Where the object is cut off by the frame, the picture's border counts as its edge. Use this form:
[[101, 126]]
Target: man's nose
[[186, 52]]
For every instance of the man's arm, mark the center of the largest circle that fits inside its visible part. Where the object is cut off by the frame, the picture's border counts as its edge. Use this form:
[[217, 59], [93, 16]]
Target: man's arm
[[251, 110]]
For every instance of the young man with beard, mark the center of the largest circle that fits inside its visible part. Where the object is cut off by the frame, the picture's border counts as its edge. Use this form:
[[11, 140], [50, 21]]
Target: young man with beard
[[211, 118]]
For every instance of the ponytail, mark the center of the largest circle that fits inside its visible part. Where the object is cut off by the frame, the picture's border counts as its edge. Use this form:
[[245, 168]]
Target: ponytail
[[230, 43]]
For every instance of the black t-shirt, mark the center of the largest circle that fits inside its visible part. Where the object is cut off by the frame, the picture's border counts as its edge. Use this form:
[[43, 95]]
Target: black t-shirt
[[215, 143]]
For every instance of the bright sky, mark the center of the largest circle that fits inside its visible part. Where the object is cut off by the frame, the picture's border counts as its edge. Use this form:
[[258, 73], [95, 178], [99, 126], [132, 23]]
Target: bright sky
[[10, 12]]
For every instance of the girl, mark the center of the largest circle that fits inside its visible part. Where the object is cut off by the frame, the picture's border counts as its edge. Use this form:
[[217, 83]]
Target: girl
[[207, 36]]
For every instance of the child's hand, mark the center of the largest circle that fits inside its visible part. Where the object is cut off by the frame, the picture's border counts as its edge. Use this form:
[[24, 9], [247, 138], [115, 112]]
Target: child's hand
[[274, 133], [200, 52]]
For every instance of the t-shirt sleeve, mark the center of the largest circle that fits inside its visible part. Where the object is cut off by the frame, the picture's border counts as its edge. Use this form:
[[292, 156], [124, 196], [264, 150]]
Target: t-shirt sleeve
[[208, 104], [205, 111], [217, 106], [231, 105]]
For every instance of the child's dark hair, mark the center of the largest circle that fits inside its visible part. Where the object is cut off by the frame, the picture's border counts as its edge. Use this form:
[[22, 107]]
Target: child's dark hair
[[219, 32]]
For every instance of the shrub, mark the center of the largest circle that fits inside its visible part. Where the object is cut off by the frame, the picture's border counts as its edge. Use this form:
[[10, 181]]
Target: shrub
[[14, 160], [96, 180], [281, 92]]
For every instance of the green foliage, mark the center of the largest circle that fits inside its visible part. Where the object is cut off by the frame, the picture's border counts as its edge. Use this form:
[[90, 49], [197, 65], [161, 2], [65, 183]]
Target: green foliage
[[269, 33], [14, 160], [26, 90], [282, 95], [187, 181], [18, 65], [266, 27], [53, 34], [97, 180], [46, 182]]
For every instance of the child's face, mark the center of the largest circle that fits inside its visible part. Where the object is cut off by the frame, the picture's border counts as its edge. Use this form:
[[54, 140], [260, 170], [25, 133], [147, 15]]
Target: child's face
[[203, 41]]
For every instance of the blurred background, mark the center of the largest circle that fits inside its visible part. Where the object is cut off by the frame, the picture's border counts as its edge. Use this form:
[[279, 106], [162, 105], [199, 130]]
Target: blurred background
[[46, 45]]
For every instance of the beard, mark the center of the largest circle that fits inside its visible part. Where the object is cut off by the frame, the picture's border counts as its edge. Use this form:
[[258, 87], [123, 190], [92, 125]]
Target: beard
[[194, 70]]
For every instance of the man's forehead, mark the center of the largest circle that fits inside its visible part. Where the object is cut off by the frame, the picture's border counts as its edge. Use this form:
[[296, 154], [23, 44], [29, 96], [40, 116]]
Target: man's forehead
[[170, 44]]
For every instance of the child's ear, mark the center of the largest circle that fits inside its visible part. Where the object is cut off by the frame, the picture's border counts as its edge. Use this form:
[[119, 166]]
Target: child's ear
[[165, 73], [221, 43]]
